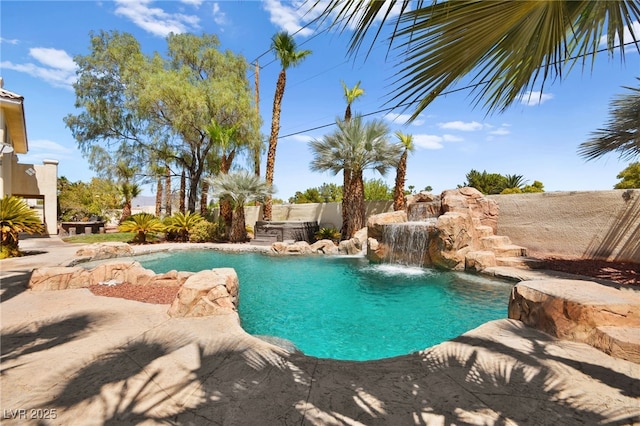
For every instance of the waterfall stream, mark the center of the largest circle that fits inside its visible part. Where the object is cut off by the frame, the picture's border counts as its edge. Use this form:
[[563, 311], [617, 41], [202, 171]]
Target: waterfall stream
[[407, 242]]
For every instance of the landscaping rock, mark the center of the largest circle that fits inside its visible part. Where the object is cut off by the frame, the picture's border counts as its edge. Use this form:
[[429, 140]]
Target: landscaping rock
[[299, 247], [101, 251], [451, 240], [324, 247], [212, 292]]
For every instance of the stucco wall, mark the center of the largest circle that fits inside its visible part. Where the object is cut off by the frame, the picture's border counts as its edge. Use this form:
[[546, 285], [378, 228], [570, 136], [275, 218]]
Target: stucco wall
[[38, 181], [326, 214], [591, 224]]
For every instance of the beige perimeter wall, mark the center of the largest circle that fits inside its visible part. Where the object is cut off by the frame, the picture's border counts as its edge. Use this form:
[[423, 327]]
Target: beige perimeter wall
[[591, 224]]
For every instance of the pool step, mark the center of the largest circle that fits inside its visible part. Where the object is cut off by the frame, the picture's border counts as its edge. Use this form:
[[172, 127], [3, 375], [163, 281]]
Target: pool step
[[494, 241], [520, 262], [509, 250]]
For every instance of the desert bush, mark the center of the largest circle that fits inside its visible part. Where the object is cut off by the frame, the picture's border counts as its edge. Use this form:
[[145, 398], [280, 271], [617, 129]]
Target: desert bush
[[204, 232]]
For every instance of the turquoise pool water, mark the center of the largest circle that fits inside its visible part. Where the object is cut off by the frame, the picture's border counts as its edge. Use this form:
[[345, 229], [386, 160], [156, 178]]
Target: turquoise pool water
[[344, 307]]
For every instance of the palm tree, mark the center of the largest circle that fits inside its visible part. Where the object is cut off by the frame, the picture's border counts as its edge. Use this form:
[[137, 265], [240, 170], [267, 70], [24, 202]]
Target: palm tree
[[355, 146], [142, 224], [15, 217], [242, 188], [401, 172], [351, 95], [514, 181], [286, 51], [182, 224], [129, 191], [507, 47], [621, 133]]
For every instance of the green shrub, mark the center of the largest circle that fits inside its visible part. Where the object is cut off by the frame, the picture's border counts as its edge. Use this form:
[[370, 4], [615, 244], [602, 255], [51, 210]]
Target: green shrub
[[204, 232], [328, 234], [182, 224], [143, 225], [15, 217]]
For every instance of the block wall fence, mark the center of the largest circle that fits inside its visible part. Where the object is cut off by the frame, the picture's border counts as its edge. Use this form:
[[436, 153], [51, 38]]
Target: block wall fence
[[589, 224]]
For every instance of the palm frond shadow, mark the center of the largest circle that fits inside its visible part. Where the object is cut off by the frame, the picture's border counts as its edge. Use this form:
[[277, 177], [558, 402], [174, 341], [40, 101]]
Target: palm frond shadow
[[225, 381], [40, 336], [14, 285]]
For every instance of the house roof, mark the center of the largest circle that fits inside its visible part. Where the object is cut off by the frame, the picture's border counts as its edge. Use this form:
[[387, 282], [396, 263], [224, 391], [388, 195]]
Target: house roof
[[12, 106]]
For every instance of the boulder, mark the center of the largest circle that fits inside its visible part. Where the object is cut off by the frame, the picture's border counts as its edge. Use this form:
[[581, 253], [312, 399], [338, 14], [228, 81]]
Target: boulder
[[299, 247], [349, 247], [376, 222], [360, 238], [101, 251], [59, 278], [211, 292], [324, 247], [376, 252], [279, 247], [62, 277], [476, 261], [451, 240]]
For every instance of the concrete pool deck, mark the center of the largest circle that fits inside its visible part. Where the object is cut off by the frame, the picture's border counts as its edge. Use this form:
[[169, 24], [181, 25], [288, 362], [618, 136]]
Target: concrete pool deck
[[87, 359]]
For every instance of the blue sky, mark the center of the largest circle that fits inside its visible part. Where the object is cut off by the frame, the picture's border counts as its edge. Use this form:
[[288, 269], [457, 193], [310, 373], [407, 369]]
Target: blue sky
[[536, 138]]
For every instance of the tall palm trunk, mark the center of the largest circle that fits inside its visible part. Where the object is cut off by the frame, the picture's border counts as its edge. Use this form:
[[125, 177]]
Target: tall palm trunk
[[238, 228], [256, 152], [398, 192], [346, 205], [356, 198], [167, 190], [126, 210], [273, 139], [183, 190], [159, 196], [204, 198], [226, 206]]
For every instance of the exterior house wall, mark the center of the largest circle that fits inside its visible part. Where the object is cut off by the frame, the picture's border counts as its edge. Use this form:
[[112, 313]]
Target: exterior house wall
[[30, 181]]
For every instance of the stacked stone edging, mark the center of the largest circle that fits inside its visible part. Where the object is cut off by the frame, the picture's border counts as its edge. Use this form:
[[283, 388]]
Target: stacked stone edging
[[209, 292], [605, 317]]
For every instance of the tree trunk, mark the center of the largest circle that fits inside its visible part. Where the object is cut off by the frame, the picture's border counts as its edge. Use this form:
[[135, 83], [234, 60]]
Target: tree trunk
[[238, 228], [159, 196], [183, 190], [273, 139], [346, 205], [204, 198], [167, 190], [398, 192], [126, 210], [226, 212], [347, 113], [256, 152], [358, 213]]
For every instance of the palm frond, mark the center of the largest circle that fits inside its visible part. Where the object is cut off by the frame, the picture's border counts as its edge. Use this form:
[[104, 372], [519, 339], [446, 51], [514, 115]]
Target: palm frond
[[502, 48], [621, 134]]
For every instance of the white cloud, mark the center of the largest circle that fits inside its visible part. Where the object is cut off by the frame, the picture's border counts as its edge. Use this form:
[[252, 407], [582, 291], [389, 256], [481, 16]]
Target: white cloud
[[57, 67], [469, 126], [219, 17], [154, 19], [9, 40], [195, 3], [502, 131], [301, 138], [534, 98], [43, 149], [403, 119], [289, 17], [452, 138], [428, 141]]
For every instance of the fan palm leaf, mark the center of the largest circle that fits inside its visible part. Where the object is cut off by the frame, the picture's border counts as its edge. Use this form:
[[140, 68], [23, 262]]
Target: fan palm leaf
[[622, 132], [502, 48], [142, 224], [16, 217]]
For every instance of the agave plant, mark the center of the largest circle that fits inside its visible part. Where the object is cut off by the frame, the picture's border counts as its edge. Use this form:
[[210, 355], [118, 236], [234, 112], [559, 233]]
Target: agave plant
[[15, 217], [182, 224], [142, 224]]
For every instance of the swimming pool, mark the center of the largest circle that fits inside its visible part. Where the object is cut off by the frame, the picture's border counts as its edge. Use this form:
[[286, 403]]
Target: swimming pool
[[346, 308]]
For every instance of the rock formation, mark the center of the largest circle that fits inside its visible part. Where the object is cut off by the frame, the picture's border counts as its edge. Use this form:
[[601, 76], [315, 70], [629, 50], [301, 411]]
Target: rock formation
[[462, 237], [211, 292]]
